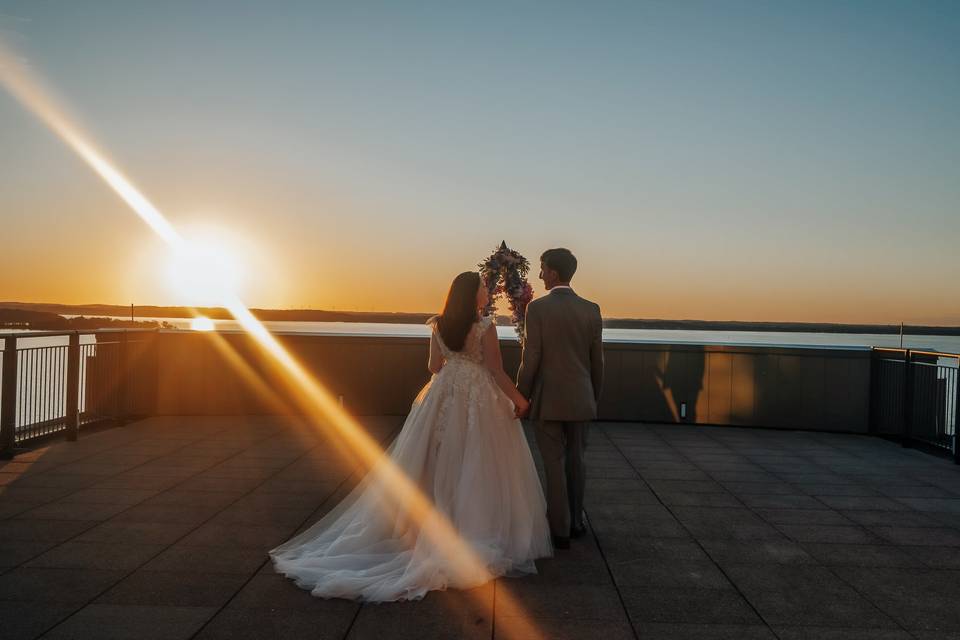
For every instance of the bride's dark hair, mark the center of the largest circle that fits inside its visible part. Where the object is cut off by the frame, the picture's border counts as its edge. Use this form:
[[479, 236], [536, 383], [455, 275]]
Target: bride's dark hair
[[459, 311]]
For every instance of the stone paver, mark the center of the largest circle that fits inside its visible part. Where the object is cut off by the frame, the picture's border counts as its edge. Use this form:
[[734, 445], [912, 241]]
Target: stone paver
[[160, 529]]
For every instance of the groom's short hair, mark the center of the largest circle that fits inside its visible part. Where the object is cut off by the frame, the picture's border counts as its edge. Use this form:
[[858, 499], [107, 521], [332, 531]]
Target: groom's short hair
[[562, 261]]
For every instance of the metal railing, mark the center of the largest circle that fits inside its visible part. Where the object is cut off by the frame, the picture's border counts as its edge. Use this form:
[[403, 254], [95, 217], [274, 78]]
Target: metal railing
[[915, 395], [57, 382]]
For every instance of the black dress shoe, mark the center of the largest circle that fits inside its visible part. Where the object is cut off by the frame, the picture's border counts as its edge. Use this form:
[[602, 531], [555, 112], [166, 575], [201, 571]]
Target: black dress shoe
[[578, 532], [561, 542]]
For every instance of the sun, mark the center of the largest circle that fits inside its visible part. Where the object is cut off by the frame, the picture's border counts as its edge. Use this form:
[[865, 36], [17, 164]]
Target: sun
[[205, 270]]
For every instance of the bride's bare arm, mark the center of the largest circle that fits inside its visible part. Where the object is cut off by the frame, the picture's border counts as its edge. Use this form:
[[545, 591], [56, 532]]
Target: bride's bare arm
[[494, 362], [435, 363]]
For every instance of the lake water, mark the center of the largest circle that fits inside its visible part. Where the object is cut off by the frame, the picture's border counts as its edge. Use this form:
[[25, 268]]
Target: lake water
[[946, 344]]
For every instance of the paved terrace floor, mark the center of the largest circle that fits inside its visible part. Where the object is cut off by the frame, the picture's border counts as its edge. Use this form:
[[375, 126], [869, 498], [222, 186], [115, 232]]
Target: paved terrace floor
[[160, 529]]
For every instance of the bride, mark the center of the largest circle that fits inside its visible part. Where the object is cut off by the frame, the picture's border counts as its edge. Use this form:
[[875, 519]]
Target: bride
[[464, 449]]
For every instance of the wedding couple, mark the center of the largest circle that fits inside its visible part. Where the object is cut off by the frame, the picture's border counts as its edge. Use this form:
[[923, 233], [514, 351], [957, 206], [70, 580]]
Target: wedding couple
[[463, 446]]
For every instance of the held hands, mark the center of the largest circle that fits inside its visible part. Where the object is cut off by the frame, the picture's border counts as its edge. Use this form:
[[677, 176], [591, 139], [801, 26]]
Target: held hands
[[521, 407]]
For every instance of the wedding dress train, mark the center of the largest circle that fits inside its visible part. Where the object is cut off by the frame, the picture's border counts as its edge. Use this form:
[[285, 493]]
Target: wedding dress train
[[464, 449]]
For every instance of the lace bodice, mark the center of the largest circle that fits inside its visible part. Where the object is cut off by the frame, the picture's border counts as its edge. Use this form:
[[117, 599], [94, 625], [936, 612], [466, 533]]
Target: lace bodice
[[472, 349]]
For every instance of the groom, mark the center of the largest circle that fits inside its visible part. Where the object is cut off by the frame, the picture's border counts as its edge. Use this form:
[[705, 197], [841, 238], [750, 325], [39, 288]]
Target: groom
[[561, 371]]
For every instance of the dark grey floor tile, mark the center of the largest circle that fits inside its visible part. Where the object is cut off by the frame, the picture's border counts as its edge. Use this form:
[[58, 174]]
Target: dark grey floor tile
[[167, 514], [652, 527], [837, 490], [725, 523], [839, 633], [124, 481], [273, 591], [678, 631], [255, 624], [255, 537], [864, 503], [756, 501], [42, 530], [61, 510], [103, 495], [174, 589], [627, 548], [802, 516], [691, 486], [62, 586], [916, 598], [563, 600], [16, 552], [560, 570], [229, 485], [116, 532], [448, 615], [728, 552], [256, 516], [861, 555], [891, 518], [945, 505], [202, 499], [914, 491], [226, 559], [759, 488], [669, 573], [263, 500], [921, 536], [826, 533], [805, 596], [108, 621], [698, 606], [935, 557], [56, 479], [698, 499], [508, 628], [96, 555], [26, 621]]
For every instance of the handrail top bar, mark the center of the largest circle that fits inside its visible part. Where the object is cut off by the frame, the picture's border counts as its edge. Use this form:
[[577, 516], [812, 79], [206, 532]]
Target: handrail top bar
[[942, 354], [919, 352], [82, 332]]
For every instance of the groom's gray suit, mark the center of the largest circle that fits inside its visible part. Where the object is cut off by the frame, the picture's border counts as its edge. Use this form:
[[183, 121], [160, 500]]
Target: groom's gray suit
[[561, 371]]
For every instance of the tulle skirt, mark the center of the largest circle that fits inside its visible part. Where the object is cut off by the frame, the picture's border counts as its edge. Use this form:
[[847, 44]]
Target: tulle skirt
[[463, 448]]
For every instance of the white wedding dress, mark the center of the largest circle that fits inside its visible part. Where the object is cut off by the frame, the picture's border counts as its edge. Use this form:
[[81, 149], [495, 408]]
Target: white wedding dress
[[465, 450]]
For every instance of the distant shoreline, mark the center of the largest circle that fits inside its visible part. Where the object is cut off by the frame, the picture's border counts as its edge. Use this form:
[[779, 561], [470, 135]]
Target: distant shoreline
[[313, 315]]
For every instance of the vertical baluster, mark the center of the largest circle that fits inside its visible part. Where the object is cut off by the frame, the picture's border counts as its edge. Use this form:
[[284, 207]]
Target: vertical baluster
[[27, 422], [47, 388], [956, 414]]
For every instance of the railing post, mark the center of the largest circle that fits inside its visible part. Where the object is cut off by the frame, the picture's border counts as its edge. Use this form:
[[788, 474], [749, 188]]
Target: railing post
[[73, 387], [123, 362], [8, 399], [907, 398], [956, 414], [874, 393]]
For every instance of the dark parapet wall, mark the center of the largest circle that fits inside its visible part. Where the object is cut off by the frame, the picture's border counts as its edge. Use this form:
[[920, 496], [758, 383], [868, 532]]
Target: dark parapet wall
[[784, 387]]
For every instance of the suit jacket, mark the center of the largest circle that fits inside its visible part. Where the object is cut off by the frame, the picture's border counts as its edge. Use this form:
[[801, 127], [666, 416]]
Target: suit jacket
[[561, 368]]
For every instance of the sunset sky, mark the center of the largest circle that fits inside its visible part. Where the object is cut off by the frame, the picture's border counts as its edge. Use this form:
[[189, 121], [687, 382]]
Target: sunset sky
[[720, 160]]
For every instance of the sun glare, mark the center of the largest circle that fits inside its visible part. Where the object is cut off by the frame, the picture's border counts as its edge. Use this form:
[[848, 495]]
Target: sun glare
[[204, 271], [202, 323]]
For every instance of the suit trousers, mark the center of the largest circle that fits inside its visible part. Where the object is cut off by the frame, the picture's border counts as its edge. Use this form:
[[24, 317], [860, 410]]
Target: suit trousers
[[562, 446]]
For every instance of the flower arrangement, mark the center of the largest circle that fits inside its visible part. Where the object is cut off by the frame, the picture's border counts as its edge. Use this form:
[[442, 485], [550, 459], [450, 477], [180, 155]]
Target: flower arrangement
[[505, 273]]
